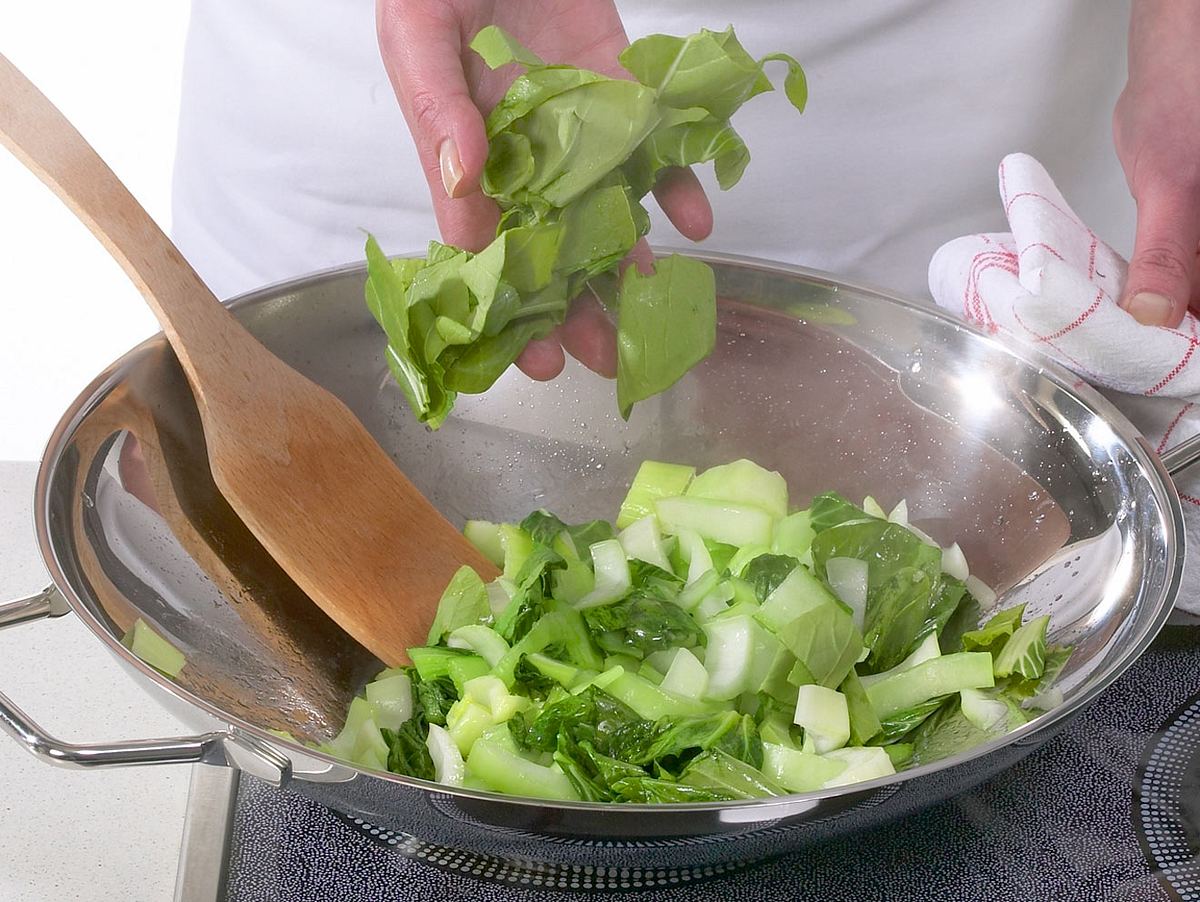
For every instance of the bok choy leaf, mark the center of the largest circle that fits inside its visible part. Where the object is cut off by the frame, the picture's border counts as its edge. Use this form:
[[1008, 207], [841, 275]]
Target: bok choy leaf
[[571, 155]]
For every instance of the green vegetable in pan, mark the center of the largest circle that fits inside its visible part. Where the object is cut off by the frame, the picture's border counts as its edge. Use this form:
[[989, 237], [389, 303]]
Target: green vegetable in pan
[[649, 665]]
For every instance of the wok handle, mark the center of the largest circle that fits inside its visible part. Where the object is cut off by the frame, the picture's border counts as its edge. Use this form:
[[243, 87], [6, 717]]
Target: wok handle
[[225, 748], [1182, 456], [46, 603]]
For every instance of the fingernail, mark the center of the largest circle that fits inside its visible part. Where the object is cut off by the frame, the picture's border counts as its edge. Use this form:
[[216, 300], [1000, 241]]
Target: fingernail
[[451, 165], [1150, 309]]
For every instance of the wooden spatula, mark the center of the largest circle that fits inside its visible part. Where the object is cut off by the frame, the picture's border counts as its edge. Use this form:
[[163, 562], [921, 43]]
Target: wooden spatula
[[309, 481]]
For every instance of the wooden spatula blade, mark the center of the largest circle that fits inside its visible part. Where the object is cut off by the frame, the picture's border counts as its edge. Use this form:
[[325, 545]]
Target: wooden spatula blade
[[308, 480], [329, 505]]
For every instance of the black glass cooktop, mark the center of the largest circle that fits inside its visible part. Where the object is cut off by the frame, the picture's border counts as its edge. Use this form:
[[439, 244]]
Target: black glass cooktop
[[1109, 809]]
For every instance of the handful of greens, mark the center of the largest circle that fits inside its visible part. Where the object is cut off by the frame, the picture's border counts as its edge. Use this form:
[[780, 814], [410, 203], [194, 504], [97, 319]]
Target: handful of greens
[[571, 155], [709, 646]]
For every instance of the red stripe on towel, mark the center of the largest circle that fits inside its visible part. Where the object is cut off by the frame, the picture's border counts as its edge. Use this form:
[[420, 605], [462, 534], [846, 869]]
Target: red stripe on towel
[[1179, 368], [1162, 446]]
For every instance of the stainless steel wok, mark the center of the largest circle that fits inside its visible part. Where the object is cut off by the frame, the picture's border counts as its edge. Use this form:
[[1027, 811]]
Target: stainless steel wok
[[1054, 497]]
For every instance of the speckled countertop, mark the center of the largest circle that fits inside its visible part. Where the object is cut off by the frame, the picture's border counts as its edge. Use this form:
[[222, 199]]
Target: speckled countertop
[[74, 835]]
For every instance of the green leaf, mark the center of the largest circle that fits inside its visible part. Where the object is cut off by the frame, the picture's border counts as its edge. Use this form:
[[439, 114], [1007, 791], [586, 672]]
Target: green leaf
[[531, 90], [598, 230], [830, 509], [864, 724], [654, 580], [767, 571], [904, 580], [650, 59], [948, 594], [898, 725], [688, 144], [602, 778], [571, 154], [517, 264], [584, 535], [518, 617], [667, 325], [583, 773], [541, 559], [825, 642], [675, 737], [650, 789], [434, 697], [964, 619], [499, 48], [642, 623], [1025, 651], [464, 601], [1017, 687], [509, 165], [993, 634], [896, 612], [579, 136], [610, 769], [744, 742], [795, 85], [1057, 657], [721, 554], [530, 260], [710, 70], [543, 527], [486, 360], [562, 628], [593, 716], [900, 753], [385, 290], [407, 752], [948, 732], [539, 682], [720, 772]]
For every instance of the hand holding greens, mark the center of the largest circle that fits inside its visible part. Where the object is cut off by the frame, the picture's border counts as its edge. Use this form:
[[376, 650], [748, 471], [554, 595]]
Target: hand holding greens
[[571, 155], [716, 647]]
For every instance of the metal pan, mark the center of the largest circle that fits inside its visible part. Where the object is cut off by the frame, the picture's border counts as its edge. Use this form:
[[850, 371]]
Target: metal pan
[[1053, 495]]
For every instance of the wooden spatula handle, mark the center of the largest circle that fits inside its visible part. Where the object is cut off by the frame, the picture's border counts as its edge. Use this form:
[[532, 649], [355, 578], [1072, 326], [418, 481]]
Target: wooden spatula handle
[[41, 137], [301, 472]]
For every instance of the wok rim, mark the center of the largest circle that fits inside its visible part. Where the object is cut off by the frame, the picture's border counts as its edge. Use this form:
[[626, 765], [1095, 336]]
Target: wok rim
[[770, 808]]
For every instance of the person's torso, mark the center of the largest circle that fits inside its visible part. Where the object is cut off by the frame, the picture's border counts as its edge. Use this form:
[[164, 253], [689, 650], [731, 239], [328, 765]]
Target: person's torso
[[291, 143]]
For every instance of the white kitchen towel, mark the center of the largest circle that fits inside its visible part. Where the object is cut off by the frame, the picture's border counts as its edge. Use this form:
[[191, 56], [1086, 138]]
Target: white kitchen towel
[[1052, 283]]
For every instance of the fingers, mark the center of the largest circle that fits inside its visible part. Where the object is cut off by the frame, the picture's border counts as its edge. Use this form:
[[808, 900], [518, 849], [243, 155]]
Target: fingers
[[642, 257], [588, 336], [542, 358], [1161, 273], [422, 50], [134, 474], [682, 198]]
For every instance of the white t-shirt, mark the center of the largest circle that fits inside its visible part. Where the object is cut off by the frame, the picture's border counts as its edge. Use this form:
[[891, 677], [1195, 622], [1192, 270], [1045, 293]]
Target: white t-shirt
[[291, 142]]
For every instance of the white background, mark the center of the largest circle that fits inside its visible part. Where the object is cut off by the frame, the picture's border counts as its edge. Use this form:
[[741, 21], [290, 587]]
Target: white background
[[65, 835], [66, 309]]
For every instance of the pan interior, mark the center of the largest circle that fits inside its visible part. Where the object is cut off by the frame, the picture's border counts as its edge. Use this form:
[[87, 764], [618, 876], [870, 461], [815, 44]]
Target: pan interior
[[1044, 486]]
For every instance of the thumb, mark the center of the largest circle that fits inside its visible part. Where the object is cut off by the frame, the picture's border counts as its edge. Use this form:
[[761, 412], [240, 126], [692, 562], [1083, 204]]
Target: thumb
[[1159, 284], [422, 50]]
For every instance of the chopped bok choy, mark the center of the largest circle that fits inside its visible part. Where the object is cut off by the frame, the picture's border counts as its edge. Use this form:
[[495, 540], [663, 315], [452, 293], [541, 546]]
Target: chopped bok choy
[[714, 644]]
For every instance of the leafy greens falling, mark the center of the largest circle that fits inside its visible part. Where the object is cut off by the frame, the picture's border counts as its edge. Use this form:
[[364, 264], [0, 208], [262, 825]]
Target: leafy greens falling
[[571, 155]]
